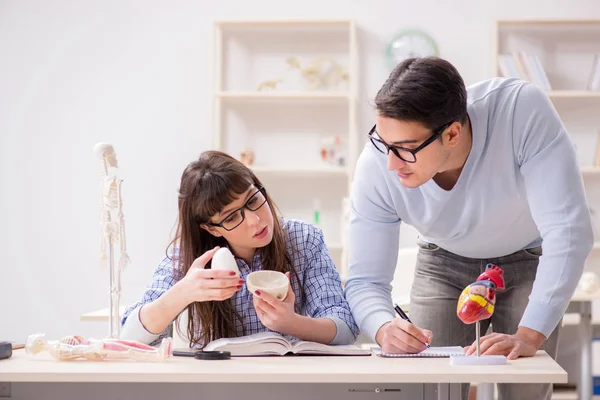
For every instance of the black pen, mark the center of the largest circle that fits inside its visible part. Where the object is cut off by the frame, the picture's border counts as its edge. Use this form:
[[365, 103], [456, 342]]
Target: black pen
[[405, 317]]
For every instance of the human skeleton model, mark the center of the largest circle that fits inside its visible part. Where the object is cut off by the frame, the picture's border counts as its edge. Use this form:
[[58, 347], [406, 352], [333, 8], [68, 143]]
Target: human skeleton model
[[476, 302], [112, 230]]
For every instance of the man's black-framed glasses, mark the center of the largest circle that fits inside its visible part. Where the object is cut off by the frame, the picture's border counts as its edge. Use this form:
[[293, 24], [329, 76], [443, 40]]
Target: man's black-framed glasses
[[236, 217], [403, 153]]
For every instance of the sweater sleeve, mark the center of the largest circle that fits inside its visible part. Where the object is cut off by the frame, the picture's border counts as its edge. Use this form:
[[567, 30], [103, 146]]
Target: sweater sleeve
[[373, 247], [557, 200]]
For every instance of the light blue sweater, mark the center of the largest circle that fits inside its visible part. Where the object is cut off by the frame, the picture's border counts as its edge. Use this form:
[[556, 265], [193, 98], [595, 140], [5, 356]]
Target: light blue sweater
[[521, 185]]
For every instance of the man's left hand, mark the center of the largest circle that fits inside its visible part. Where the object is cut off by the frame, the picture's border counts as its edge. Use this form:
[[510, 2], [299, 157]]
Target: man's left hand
[[524, 343]]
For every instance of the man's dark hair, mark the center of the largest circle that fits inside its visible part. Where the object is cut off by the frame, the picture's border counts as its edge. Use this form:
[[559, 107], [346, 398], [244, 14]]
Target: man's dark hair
[[427, 90]]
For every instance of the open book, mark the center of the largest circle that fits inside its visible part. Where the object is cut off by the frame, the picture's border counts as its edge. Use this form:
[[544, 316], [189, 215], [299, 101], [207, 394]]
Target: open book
[[273, 344]]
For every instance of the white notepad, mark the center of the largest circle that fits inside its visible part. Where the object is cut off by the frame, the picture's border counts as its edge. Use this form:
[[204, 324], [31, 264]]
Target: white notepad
[[432, 352]]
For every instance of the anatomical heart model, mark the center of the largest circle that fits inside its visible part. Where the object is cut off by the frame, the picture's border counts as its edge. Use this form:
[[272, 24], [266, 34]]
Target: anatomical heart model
[[477, 302]]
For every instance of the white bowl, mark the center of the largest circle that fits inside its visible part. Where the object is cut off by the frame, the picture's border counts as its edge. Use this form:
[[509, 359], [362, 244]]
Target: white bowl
[[273, 282]]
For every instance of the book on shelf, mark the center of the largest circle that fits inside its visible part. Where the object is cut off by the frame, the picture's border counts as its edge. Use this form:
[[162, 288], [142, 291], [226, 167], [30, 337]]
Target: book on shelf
[[594, 79], [524, 66], [273, 344], [597, 157]]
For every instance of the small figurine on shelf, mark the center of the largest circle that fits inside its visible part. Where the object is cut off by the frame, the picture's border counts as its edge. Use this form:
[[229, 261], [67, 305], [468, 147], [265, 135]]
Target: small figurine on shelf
[[269, 85], [331, 151], [476, 303], [321, 73], [589, 282], [71, 348], [247, 157]]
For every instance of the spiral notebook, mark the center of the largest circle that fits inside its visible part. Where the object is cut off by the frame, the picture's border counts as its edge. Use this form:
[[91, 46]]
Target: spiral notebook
[[432, 352]]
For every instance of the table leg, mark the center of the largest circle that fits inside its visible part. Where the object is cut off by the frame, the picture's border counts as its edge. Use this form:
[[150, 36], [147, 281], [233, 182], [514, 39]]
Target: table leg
[[5, 390], [485, 391], [585, 385], [447, 391], [443, 391], [456, 391]]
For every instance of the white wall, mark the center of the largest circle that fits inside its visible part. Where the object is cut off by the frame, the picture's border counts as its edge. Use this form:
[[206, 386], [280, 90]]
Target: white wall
[[138, 74]]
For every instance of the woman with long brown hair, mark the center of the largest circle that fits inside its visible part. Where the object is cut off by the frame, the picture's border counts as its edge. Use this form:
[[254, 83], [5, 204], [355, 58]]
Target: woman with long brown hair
[[223, 204]]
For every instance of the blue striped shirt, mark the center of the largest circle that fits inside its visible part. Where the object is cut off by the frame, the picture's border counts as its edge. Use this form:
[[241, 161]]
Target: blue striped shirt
[[321, 282]]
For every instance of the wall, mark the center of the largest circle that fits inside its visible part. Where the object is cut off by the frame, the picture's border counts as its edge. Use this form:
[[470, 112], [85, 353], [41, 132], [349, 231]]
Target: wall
[[138, 74]]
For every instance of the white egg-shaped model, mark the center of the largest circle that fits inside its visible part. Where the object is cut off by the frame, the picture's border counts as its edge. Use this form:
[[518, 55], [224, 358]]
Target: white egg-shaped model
[[223, 259]]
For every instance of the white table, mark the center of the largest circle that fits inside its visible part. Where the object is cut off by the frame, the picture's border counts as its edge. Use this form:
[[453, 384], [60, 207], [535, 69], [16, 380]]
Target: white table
[[581, 304], [100, 315], [335, 377]]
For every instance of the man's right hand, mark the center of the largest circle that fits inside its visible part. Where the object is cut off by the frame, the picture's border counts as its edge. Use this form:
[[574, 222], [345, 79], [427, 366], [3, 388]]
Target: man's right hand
[[400, 336]]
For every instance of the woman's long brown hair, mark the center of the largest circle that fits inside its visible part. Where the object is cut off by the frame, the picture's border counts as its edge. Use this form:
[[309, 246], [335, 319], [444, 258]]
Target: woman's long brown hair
[[208, 185]]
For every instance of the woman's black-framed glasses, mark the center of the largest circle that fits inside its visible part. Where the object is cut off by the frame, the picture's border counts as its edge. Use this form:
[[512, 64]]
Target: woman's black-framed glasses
[[403, 153], [236, 217]]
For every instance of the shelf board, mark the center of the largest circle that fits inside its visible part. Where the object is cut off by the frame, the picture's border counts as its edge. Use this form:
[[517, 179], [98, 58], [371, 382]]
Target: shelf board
[[316, 171], [565, 395], [291, 23], [100, 315], [548, 22], [590, 170], [273, 95], [573, 94]]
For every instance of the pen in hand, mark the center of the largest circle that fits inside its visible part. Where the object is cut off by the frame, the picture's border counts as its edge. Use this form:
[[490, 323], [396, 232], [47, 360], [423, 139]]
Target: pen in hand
[[405, 317]]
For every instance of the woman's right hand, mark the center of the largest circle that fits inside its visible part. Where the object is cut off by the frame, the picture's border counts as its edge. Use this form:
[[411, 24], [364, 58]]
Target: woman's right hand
[[201, 284]]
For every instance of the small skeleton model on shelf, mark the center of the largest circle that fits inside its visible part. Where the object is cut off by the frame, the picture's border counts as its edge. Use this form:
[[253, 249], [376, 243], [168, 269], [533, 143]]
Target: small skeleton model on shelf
[[269, 85], [247, 157], [589, 282], [321, 73]]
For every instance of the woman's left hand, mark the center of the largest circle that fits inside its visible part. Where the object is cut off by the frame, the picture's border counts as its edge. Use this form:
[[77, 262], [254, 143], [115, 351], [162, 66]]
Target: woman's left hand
[[277, 315]]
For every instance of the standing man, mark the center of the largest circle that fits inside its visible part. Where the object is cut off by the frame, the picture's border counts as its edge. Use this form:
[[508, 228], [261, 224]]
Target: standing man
[[486, 174]]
